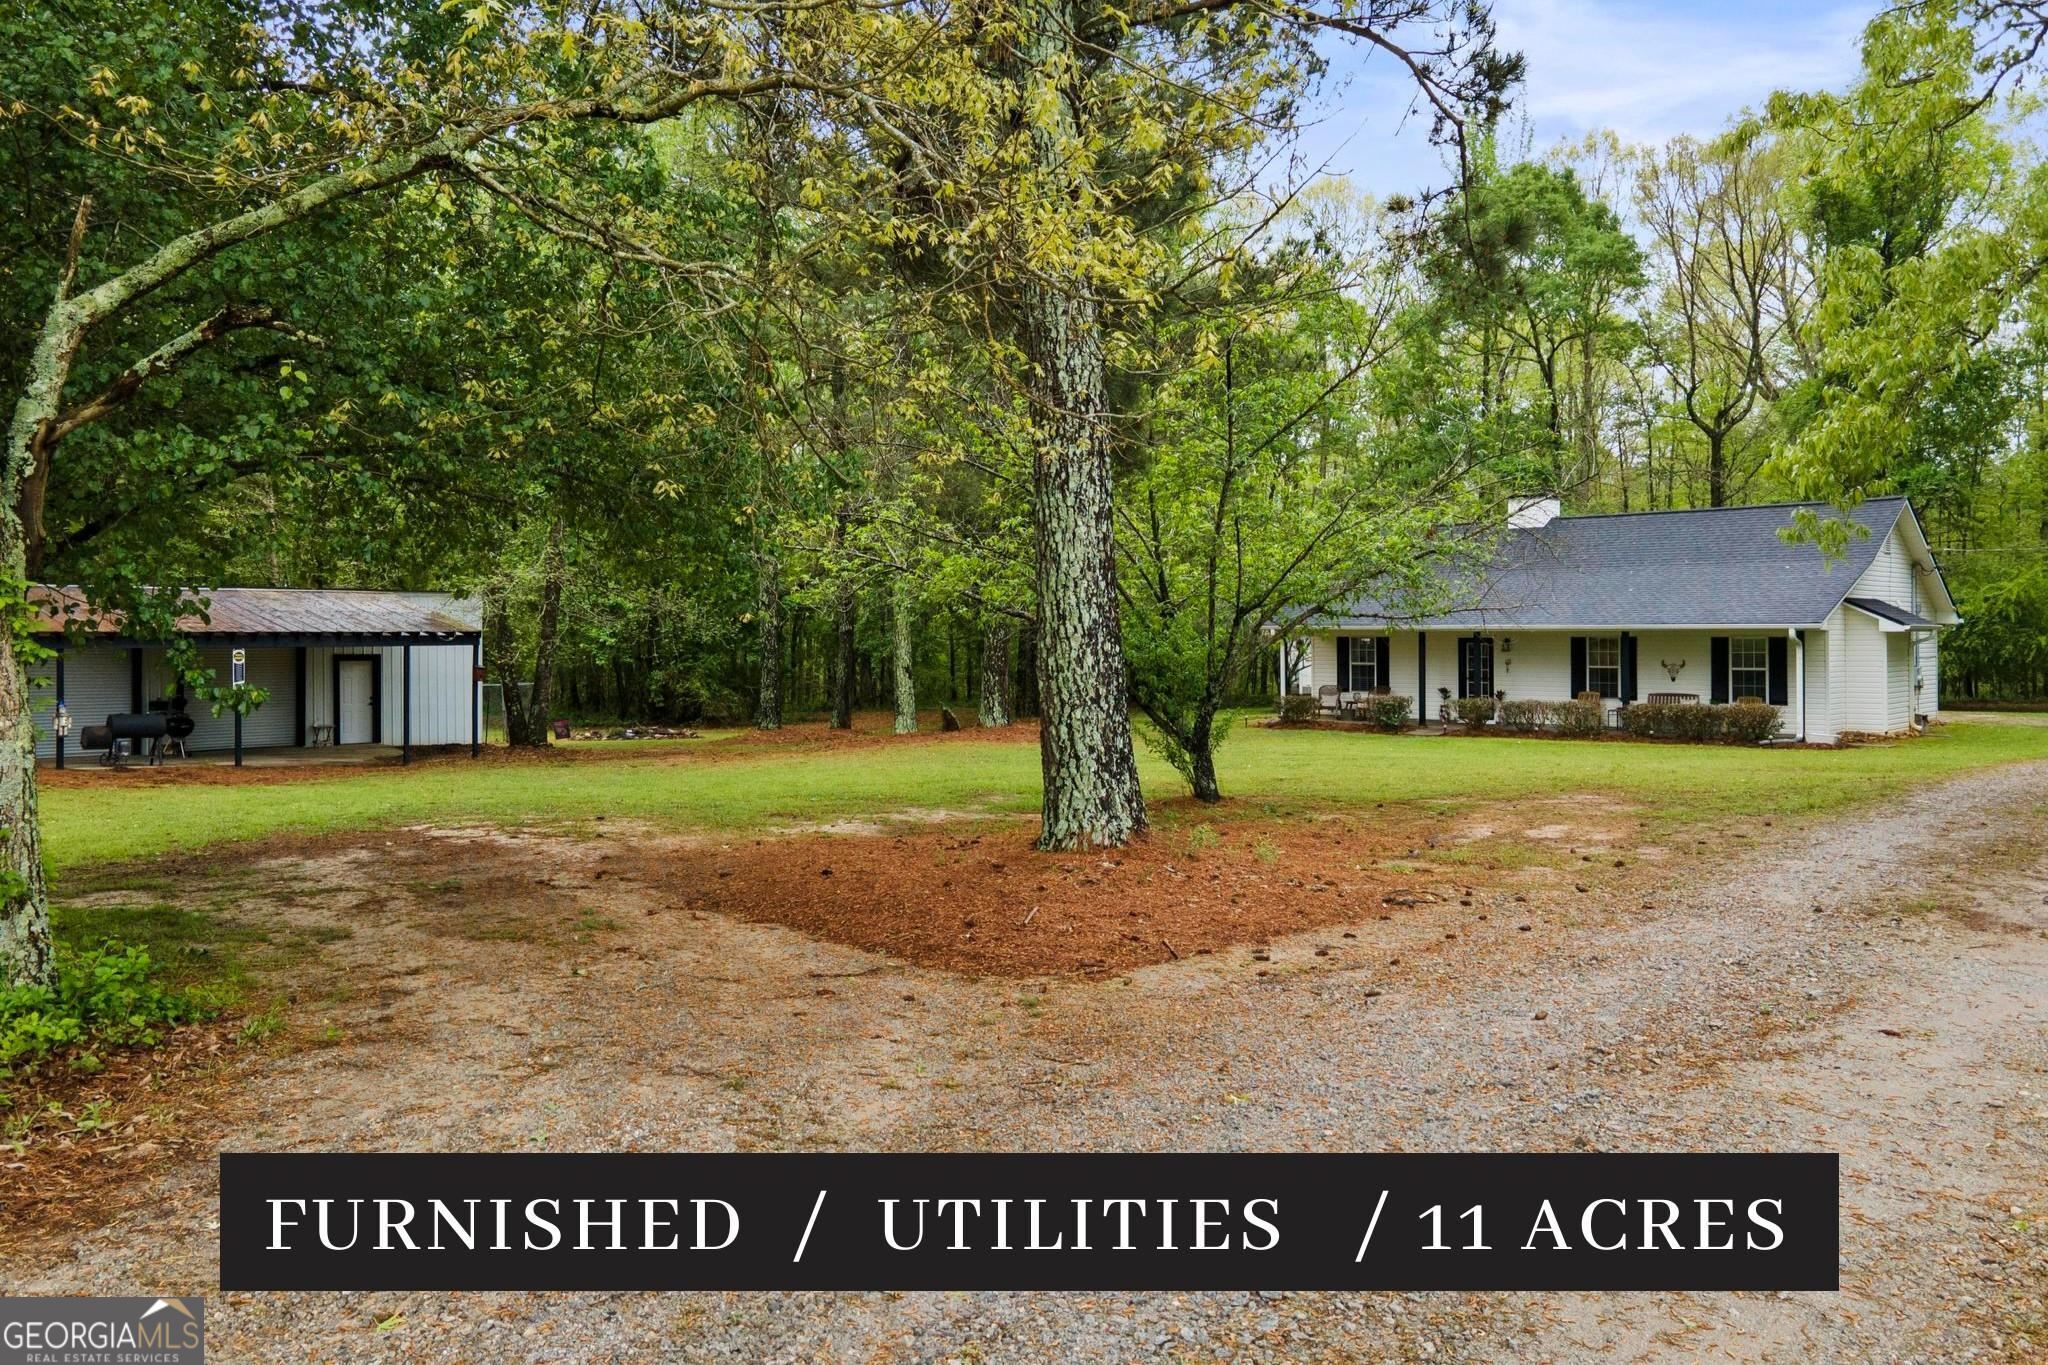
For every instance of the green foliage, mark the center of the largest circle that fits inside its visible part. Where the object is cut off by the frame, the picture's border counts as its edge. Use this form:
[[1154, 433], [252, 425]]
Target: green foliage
[[1389, 713], [1300, 706], [1742, 722], [1475, 711], [1580, 717], [109, 996], [1525, 716]]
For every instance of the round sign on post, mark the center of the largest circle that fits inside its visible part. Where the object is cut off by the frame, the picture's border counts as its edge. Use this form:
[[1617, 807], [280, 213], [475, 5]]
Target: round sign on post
[[240, 663]]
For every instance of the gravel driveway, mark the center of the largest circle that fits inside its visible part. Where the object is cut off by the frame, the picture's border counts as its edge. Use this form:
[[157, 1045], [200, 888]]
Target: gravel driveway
[[1876, 985]]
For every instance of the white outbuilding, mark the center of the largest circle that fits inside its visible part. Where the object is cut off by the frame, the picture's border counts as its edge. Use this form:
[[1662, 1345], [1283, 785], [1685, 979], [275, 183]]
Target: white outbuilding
[[340, 667]]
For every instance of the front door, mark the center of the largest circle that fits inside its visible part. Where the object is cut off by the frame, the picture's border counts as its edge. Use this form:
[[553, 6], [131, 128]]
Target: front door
[[1475, 666], [355, 711]]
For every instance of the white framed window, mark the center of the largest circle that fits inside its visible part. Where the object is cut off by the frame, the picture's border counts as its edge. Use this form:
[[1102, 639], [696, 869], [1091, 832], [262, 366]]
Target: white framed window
[[1365, 664], [1603, 665], [1749, 667]]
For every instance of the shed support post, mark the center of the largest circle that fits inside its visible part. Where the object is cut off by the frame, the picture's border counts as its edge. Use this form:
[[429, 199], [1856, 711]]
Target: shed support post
[[60, 706], [135, 680], [299, 694], [476, 696], [238, 738], [405, 706]]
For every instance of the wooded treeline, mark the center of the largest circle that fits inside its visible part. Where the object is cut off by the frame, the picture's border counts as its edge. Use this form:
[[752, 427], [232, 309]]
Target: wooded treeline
[[751, 359]]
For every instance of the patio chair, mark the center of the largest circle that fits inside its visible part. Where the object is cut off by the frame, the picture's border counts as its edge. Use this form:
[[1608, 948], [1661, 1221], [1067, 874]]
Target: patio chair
[[1330, 698]]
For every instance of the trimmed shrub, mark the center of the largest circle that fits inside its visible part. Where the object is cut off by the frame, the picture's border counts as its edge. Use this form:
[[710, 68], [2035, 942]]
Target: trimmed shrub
[[1646, 719], [1524, 716], [1749, 722], [1299, 706], [1389, 712], [1475, 710], [1581, 718]]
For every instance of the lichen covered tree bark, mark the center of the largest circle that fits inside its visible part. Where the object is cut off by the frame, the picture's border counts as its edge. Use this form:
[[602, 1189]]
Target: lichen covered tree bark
[[905, 658], [995, 675], [1085, 749]]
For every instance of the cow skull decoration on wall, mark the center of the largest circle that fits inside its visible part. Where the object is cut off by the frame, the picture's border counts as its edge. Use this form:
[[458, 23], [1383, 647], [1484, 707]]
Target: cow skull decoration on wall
[[1672, 670]]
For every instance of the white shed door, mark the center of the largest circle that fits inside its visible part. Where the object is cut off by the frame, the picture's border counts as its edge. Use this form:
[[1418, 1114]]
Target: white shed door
[[355, 721]]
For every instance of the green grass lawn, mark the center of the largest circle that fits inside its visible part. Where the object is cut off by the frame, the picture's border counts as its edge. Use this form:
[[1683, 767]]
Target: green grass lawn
[[680, 786]]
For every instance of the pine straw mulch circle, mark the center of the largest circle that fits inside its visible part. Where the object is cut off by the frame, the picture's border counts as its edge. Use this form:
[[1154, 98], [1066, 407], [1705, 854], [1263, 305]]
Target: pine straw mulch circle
[[92, 1139], [984, 902]]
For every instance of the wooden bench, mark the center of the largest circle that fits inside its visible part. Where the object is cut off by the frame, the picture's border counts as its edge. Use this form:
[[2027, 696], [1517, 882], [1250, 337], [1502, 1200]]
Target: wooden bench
[[1674, 698]]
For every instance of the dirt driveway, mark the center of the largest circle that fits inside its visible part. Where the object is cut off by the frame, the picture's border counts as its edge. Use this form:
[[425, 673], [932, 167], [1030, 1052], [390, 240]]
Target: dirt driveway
[[1877, 985]]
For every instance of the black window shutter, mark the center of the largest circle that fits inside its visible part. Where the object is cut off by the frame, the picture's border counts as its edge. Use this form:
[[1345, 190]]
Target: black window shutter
[[1718, 666], [1778, 682], [1464, 664], [1578, 665], [1628, 668], [1421, 675], [1344, 663]]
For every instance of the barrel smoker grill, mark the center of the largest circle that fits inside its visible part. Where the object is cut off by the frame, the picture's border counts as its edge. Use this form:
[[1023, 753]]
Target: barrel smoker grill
[[131, 729]]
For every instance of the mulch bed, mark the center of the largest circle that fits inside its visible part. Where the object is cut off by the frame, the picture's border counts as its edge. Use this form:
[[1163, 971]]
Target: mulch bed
[[986, 903], [156, 1103]]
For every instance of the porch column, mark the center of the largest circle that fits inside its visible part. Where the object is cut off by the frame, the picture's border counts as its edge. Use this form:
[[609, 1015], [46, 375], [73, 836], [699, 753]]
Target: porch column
[[238, 737], [1422, 712], [60, 707], [405, 707], [299, 691], [1799, 679], [135, 680]]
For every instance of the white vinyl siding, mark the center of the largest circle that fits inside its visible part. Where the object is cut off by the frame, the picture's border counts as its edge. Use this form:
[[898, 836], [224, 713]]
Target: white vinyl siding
[[1898, 681], [440, 690], [97, 684], [1820, 714], [1866, 703]]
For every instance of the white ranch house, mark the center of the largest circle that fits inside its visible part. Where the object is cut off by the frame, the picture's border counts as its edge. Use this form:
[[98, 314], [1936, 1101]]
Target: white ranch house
[[342, 667], [1711, 604]]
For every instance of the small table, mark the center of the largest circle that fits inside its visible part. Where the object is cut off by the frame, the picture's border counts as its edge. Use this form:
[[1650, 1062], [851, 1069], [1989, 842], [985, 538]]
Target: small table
[[319, 736]]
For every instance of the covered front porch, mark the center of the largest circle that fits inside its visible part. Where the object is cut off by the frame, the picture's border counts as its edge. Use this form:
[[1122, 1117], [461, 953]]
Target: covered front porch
[[288, 756]]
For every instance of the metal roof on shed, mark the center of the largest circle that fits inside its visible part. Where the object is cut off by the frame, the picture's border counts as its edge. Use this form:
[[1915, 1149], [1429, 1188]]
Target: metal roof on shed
[[281, 611]]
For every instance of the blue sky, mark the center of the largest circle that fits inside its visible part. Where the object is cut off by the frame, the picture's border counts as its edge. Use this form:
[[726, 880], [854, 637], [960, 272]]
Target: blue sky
[[1646, 70]]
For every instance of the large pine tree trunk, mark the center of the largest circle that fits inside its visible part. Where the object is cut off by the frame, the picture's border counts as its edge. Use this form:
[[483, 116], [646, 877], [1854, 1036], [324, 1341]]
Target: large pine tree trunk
[[995, 675], [1090, 768], [1085, 750], [904, 660]]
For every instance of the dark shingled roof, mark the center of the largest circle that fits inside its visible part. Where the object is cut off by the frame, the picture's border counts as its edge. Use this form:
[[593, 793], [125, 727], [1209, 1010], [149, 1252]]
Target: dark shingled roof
[[1885, 610], [1721, 566], [285, 611]]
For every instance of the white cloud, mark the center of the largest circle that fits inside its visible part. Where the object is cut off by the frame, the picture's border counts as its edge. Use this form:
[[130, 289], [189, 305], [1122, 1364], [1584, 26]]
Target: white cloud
[[1652, 71], [1646, 70]]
